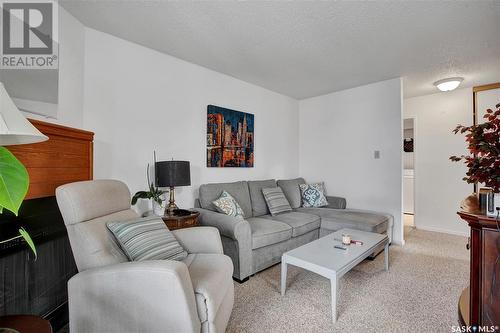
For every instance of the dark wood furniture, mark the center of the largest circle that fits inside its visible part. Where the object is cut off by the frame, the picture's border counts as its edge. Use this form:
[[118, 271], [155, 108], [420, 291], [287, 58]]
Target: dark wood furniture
[[482, 308], [179, 222], [65, 157], [25, 324], [40, 287]]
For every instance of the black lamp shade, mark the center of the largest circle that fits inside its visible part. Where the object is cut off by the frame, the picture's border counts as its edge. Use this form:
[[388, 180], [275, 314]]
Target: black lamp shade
[[172, 173]]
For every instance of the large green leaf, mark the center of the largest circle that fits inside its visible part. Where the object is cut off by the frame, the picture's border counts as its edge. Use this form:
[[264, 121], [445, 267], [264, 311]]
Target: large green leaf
[[14, 181]]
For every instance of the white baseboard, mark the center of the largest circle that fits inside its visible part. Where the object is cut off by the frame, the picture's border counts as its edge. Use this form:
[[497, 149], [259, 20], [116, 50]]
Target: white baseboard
[[443, 231]]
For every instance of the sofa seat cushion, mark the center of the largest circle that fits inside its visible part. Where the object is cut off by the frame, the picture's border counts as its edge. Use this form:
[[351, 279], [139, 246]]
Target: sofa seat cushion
[[301, 223], [335, 219], [267, 231], [211, 275]]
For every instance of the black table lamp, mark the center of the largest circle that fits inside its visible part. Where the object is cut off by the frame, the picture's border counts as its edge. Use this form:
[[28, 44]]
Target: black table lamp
[[172, 174]]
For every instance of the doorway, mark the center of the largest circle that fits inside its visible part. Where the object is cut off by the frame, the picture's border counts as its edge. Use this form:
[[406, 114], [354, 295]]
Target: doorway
[[408, 175]]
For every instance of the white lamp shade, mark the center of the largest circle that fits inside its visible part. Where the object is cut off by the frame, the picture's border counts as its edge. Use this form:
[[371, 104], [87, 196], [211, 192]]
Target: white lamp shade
[[15, 129]]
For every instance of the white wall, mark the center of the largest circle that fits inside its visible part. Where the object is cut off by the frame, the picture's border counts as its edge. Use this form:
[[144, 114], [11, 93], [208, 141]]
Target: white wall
[[71, 62], [339, 133], [439, 188], [138, 100]]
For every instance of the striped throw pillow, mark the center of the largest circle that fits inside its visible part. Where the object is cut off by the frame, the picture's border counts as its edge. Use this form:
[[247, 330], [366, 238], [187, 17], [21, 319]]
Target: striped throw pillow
[[147, 239], [276, 200]]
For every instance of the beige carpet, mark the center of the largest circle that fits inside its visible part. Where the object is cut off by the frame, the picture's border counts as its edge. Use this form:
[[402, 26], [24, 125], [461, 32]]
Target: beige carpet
[[419, 293]]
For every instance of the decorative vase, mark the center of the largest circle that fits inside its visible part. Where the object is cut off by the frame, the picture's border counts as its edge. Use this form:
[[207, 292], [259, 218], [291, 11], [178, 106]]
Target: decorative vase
[[471, 204], [158, 209]]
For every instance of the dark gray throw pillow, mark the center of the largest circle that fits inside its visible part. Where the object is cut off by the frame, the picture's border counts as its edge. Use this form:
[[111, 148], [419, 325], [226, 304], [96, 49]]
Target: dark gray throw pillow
[[276, 200], [147, 238]]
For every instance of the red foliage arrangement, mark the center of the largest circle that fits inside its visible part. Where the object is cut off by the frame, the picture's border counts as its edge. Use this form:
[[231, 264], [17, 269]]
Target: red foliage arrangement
[[484, 146]]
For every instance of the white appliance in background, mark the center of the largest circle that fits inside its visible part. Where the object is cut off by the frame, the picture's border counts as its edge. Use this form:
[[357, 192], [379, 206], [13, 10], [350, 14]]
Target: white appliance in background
[[408, 184]]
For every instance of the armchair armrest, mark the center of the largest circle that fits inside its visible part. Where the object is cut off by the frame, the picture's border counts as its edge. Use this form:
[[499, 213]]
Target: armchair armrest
[[147, 296], [199, 239], [336, 202]]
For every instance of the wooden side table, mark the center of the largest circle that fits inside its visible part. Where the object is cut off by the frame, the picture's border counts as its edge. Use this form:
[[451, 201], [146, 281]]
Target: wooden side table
[[483, 304], [179, 222]]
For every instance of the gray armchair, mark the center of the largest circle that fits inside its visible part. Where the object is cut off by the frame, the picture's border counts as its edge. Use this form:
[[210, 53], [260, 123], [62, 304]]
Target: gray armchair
[[110, 294]]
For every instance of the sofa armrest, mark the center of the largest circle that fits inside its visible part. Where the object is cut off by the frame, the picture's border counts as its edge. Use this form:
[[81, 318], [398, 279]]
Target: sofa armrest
[[231, 227], [141, 296], [199, 239], [336, 202], [236, 240]]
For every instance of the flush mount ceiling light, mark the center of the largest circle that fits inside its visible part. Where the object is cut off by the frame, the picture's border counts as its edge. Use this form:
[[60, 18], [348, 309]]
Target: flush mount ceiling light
[[448, 84]]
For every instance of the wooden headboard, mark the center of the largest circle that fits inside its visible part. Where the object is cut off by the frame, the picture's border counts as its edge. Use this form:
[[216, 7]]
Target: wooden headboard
[[65, 158]]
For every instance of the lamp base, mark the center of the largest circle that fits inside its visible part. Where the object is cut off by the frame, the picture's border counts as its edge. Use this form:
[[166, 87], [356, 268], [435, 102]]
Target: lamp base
[[169, 209]]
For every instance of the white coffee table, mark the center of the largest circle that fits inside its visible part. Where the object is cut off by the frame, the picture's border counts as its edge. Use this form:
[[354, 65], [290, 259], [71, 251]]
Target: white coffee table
[[322, 258]]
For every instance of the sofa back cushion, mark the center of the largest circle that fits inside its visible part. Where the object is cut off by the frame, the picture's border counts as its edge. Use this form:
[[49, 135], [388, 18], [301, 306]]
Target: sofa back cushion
[[291, 190], [259, 206], [238, 190]]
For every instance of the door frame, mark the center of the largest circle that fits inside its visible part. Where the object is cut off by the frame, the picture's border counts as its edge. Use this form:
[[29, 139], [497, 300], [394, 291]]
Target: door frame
[[415, 173]]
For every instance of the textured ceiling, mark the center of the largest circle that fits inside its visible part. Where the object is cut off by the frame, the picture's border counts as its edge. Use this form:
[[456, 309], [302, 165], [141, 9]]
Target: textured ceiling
[[305, 49]]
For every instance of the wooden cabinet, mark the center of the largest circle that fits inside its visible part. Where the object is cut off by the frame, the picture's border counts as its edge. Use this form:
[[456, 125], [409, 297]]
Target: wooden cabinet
[[66, 157], [483, 306]]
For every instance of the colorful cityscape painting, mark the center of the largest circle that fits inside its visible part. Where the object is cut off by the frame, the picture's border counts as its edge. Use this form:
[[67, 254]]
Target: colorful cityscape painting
[[230, 138]]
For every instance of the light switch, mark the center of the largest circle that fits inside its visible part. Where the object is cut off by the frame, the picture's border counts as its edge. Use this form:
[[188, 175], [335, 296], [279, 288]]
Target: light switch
[[376, 154]]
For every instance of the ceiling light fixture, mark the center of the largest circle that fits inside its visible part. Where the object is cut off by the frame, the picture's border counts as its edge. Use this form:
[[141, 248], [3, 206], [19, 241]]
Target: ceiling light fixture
[[449, 84]]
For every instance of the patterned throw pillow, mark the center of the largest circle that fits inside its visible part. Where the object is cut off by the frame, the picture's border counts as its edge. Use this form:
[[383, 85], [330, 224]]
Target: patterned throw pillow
[[276, 200], [313, 195], [147, 239], [228, 205]]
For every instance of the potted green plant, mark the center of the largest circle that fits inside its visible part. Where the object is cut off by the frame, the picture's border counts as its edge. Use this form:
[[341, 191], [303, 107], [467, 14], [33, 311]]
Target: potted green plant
[[154, 194], [14, 178], [483, 143], [14, 181]]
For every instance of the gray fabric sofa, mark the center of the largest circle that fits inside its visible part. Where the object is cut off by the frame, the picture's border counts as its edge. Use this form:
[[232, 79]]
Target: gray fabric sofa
[[258, 241]]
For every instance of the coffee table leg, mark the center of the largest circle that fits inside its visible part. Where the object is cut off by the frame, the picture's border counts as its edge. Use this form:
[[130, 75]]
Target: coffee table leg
[[283, 275], [333, 286], [386, 256]]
